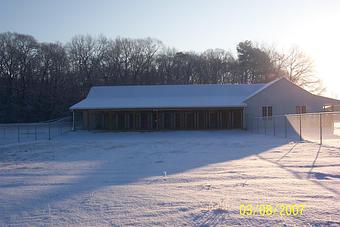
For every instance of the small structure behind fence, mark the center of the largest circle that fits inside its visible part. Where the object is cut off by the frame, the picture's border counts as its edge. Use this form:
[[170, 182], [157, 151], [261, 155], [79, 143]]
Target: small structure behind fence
[[323, 127], [25, 132]]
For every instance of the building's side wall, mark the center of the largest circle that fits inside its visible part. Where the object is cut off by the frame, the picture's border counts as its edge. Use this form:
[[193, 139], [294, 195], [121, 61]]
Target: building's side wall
[[284, 96]]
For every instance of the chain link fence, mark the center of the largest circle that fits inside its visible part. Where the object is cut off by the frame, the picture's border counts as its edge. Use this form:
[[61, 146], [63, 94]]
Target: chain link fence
[[26, 132], [323, 128]]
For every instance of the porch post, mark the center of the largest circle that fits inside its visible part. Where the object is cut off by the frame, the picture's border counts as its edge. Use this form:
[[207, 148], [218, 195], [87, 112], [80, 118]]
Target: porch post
[[244, 119], [73, 123]]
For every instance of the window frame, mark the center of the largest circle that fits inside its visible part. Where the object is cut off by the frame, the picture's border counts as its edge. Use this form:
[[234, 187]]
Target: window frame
[[301, 109], [267, 111], [264, 111]]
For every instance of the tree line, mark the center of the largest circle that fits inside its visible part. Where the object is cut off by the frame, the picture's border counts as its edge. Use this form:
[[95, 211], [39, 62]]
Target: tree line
[[40, 81]]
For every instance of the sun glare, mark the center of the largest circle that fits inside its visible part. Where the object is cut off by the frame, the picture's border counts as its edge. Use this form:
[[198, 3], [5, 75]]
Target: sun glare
[[319, 37]]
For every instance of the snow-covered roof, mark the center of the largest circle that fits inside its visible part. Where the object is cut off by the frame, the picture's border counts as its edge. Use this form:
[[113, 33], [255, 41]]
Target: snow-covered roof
[[263, 87], [167, 96]]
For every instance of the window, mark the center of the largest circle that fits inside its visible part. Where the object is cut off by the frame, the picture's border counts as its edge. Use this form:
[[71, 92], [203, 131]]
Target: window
[[298, 110], [264, 111], [267, 111], [301, 109]]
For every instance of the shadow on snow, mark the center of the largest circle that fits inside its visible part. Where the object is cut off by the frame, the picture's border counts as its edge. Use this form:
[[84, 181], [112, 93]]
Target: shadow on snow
[[127, 158]]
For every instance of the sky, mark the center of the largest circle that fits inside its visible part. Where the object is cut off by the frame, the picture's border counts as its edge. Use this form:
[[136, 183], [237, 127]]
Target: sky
[[191, 25]]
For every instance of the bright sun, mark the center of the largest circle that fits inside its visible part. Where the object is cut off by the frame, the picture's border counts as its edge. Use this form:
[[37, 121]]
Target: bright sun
[[319, 37]]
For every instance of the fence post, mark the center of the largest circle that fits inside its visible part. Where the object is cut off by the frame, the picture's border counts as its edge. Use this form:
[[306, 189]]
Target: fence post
[[49, 131], [258, 127], [300, 129], [35, 133], [265, 125], [320, 129], [18, 134], [286, 119], [274, 126]]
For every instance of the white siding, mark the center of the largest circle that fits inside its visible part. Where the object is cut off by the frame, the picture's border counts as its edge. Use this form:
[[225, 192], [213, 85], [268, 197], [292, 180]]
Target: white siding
[[284, 96]]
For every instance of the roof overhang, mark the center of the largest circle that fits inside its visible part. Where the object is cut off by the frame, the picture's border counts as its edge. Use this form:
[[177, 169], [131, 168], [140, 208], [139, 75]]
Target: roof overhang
[[76, 108], [167, 97]]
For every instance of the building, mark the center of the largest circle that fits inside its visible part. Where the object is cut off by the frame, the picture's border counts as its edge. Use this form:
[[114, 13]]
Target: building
[[189, 107]]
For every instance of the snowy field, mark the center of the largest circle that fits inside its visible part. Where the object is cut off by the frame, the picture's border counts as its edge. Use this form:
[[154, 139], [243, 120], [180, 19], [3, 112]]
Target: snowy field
[[166, 179]]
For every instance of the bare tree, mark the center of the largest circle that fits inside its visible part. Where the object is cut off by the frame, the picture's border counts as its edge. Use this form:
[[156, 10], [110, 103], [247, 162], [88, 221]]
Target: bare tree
[[296, 66], [215, 66], [18, 60], [85, 55], [300, 70]]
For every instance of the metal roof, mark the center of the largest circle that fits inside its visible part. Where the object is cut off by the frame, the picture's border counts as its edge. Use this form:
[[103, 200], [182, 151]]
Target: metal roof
[[167, 96]]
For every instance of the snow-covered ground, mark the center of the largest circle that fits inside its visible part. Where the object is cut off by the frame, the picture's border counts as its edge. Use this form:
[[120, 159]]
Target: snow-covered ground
[[166, 179]]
